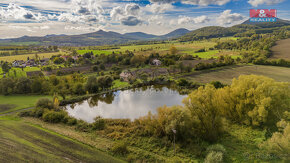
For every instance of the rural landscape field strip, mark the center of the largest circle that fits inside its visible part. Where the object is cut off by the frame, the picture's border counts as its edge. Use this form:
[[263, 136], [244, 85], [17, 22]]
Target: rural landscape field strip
[[39, 145], [225, 75], [281, 49]]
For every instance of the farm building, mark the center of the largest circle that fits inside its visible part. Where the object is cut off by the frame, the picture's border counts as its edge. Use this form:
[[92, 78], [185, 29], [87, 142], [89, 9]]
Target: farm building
[[18, 63], [156, 62], [126, 75]]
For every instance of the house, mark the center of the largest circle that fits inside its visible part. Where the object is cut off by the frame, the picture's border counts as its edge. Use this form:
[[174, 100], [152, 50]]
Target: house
[[156, 62], [44, 61], [126, 75], [30, 62], [18, 63]]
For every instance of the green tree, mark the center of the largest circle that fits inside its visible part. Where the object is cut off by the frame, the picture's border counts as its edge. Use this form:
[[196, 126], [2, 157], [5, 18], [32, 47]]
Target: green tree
[[206, 119], [5, 67], [92, 85], [173, 50]]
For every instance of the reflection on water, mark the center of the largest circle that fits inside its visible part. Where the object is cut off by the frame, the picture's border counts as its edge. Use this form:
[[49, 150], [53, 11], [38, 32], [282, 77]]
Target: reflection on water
[[129, 104]]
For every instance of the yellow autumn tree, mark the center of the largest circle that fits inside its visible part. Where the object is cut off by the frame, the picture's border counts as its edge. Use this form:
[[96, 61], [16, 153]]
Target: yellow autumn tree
[[254, 100]]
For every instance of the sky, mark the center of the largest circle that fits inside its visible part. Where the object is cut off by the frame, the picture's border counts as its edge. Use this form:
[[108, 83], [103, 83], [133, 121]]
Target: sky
[[44, 17]]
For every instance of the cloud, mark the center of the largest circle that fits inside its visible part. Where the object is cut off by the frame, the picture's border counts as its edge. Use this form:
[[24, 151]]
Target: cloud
[[84, 12], [196, 20], [128, 15], [159, 8], [15, 12], [132, 9], [193, 2], [86, 7], [256, 3], [227, 17], [131, 21]]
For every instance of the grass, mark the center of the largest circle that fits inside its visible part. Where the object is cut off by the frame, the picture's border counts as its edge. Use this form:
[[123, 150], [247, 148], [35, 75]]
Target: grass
[[241, 144], [25, 56], [120, 84], [226, 74], [18, 102], [14, 72], [27, 142], [96, 52]]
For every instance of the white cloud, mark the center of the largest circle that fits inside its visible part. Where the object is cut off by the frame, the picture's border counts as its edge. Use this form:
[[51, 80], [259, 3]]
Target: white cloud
[[194, 2], [159, 8], [260, 2], [196, 20], [15, 12], [128, 15], [227, 17], [84, 12]]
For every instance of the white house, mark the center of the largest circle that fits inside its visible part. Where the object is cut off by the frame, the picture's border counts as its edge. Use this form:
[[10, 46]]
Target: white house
[[156, 62]]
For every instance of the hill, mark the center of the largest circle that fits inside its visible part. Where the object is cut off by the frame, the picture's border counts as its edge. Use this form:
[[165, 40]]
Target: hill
[[93, 39], [246, 27]]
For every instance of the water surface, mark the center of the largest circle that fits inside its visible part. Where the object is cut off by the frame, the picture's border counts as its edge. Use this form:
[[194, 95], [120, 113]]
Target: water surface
[[128, 104]]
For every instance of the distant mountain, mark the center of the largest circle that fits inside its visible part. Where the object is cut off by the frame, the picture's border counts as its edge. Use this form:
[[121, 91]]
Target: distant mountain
[[53, 35], [243, 29], [176, 33], [140, 36], [279, 22], [96, 38]]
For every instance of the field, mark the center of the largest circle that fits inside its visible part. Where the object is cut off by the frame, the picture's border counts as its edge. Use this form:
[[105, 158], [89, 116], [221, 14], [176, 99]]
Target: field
[[13, 103], [226, 74], [183, 48], [25, 56], [281, 50], [26, 142]]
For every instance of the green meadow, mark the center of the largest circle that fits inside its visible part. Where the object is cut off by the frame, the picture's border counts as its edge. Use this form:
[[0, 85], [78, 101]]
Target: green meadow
[[18, 102]]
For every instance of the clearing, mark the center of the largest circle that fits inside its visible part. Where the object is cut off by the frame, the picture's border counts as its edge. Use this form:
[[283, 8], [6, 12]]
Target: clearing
[[26, 142]]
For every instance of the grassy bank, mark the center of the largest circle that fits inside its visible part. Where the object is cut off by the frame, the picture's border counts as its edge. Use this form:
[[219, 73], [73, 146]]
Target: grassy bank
[[18, 102], [27, 142], [240, 142]]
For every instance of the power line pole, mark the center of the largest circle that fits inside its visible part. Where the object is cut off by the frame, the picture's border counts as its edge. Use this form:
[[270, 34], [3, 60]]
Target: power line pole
[[174, 132]]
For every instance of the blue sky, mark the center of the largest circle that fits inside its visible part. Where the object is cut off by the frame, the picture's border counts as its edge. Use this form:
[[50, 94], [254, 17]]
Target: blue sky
[[42, 17]]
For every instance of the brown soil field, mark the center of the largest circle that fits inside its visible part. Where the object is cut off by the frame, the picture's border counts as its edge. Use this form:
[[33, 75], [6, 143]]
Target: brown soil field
[[226, 74], [281, 50]]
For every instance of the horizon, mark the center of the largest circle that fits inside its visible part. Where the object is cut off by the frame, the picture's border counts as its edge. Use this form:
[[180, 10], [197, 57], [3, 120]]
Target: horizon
[[157, 17]]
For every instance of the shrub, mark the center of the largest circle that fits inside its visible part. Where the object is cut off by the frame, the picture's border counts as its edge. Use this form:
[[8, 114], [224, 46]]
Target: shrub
[[120, 149], [25, 113], [53, 116], [83, 126], [279, 143], [216, 148], [71, 121], [215, 154], [37, 112], [44, 103], [99, 124], [214, 157]]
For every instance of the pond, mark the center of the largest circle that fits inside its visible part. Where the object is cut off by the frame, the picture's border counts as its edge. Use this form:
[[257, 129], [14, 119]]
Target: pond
[[128, 104]]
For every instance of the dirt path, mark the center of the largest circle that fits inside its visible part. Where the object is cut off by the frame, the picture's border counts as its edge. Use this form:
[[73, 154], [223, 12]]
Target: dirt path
[[16, 111]]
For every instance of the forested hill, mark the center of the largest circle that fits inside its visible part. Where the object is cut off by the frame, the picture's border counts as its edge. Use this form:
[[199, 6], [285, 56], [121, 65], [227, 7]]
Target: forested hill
[[244, 29], [97, 38]]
